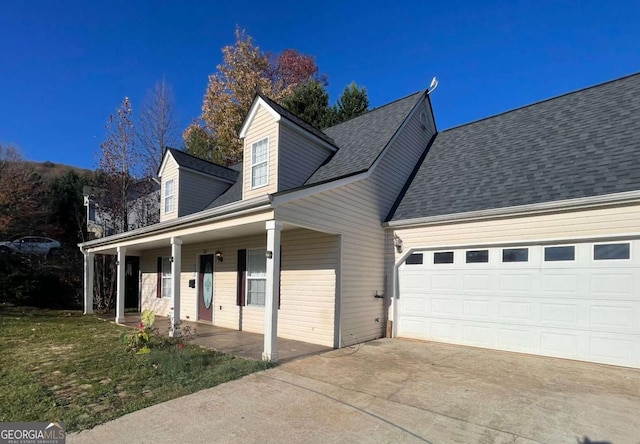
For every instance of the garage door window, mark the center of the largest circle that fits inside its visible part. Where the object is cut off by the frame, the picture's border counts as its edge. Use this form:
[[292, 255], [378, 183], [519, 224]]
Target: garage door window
[[515, 255], [477, 256], [444, 257], [566, 253], [414, 259], [611, 251]]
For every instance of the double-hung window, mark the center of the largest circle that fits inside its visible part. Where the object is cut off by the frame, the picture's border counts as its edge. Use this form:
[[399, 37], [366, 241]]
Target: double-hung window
[[256, 277], [166, 278], [168, 196], [259, 163]]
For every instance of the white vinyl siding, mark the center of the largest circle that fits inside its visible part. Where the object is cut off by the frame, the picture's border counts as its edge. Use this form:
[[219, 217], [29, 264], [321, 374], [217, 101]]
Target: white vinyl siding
[[610, 221], [356, 211], [299, 157], [307, 289], [262, 126], [169, 187], [197, 191], [149, 283]]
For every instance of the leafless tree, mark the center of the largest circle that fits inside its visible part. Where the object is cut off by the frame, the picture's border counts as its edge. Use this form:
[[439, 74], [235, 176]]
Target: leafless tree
[[158, 126], [120, 164]]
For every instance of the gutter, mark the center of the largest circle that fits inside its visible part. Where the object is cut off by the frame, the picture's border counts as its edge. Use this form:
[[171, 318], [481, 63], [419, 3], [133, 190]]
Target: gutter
[[229, 210], [581, 203]]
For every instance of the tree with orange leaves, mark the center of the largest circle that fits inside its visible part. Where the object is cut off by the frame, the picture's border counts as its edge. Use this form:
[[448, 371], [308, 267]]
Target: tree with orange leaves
[[245, 71]]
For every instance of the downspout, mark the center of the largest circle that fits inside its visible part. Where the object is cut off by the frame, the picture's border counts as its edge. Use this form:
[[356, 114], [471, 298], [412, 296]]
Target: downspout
[[393, 307]]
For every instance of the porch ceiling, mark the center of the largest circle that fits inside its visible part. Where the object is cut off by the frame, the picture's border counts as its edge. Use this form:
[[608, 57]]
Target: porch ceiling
[[205, 235]]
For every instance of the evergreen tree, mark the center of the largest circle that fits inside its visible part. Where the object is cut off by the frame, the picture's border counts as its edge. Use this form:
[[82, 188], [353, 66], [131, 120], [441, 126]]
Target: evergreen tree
[[310, 102], [353, 102]]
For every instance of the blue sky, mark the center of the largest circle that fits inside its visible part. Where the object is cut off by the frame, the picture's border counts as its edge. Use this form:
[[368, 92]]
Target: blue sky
[[66, 65]]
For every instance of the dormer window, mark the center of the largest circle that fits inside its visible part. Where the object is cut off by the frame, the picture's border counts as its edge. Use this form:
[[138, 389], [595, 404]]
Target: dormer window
[[259, 165], [168, 196]]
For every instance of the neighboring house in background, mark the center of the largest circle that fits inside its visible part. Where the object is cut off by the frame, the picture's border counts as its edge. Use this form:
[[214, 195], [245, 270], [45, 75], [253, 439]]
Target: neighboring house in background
[[143, 211], [516, 232]]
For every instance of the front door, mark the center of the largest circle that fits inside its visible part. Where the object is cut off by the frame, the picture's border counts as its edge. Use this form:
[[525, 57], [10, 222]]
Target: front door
[[132, 283], [205, 288]]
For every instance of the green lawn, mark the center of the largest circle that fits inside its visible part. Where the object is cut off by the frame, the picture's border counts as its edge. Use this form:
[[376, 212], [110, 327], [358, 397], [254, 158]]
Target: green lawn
[[63, 366]]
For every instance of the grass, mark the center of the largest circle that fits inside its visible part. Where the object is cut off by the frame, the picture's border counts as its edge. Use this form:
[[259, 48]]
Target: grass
[[63, 366]]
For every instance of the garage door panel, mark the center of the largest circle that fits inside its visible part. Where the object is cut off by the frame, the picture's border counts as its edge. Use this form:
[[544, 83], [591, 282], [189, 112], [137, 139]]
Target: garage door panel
[[445, 306], [476, 283], [476, 308], [443, 283], [513, 283], [611, 349], [413, 327], [556, 283], [516, 340], [514, 311], [582, 309], [612, 285], [444, 331], [559, 344], [558, 313], [414, 304], [611, 316], [479, 335]]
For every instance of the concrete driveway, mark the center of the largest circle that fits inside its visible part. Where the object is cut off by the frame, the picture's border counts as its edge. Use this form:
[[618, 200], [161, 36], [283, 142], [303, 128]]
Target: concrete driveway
[[400, 391]]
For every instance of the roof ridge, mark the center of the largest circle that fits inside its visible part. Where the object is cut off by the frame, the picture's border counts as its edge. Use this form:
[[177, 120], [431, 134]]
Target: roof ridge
[[378, 108], [280, 108], [288, 110], [200, 158], [597, 85]]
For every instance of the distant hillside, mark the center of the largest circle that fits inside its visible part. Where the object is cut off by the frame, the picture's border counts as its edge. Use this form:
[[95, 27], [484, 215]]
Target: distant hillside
[[49, 170]]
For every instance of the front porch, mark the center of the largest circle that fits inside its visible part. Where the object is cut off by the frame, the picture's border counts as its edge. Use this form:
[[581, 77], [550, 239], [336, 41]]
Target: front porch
[[230, 273], [238, 343]]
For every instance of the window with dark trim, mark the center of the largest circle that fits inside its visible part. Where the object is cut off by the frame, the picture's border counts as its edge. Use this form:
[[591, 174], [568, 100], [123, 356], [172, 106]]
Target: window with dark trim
[[477, 256], [163, 287], [603, 252], [443, 257], [414, 259], [515, 255], [564, 253], [256, 277]]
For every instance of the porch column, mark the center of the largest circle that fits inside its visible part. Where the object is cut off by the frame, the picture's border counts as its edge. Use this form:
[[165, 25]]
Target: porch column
[[272, 292], [121, 259], [88, 282], [176, 267]]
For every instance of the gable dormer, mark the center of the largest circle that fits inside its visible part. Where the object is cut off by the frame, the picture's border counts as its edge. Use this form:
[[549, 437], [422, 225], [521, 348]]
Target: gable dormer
[[188, 184], [281, 151]]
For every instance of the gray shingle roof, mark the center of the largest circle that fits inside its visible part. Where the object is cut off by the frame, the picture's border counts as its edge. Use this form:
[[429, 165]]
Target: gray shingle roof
[[195, 163], [233, 194], [361, 140], [585, 143]]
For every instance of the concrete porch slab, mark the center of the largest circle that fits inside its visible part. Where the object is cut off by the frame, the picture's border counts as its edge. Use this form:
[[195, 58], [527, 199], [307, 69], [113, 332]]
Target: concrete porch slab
[[233, 342]]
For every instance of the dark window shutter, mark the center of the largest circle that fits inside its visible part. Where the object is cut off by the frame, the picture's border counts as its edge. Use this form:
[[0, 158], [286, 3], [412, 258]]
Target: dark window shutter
[[242, 278], [159, 280]]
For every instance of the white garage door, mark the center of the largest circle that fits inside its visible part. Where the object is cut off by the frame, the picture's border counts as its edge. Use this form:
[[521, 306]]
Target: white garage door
[[578, 301]]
